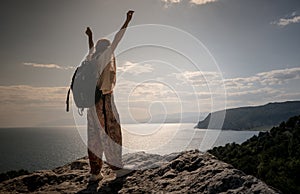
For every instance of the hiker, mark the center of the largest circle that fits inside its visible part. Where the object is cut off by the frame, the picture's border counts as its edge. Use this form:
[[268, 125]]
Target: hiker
[[104, 130]]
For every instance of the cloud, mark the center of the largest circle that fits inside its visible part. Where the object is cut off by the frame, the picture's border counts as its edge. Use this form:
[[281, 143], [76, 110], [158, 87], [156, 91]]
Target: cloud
[[279, 76], [291, 19], [257, 89], [144, 91], [202, 2], [271, 78], [134, 68], [240, 83], [284, 22], [29, 96], [200, 78], [192, 2], [212, 79], [167, 3], [25, 106], [255, 92], [171, 1], [48, 66], [22, 103], [262, 87], [153, 91]]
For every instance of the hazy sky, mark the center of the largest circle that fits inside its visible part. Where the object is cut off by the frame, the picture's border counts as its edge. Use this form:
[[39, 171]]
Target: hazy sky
[[255, 43]]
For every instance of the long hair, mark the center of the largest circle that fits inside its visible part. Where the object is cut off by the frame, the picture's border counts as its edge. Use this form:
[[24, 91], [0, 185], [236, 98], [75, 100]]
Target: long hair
[[101, 45]]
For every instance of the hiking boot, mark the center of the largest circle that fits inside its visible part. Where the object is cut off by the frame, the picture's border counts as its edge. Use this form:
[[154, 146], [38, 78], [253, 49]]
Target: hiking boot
[[96, 177]]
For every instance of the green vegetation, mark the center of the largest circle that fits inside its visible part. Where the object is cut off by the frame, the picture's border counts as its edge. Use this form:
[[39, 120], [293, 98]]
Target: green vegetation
[[252, 118], [273, 156], [12, 174]]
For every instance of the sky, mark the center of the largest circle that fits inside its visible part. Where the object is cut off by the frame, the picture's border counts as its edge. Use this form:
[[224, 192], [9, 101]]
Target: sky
[[179, 57]]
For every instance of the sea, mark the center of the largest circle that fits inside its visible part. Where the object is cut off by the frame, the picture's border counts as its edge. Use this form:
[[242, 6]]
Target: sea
[[50, 147]]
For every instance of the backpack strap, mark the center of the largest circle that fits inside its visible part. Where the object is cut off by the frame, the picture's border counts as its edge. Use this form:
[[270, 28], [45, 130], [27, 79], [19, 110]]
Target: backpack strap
[[104, 113], [73, 78], [67, 101], [68, 95]]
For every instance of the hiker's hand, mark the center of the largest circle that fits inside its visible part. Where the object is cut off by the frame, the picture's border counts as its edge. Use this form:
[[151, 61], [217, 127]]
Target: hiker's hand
[[88, 31], [129, 15]]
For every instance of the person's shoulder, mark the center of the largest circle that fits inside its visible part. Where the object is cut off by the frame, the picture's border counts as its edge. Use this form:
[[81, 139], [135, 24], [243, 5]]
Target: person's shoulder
[[89, 57]]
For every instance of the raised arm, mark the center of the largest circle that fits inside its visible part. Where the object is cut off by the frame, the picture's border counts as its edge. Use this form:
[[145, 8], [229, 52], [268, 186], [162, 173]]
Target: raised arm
[[121, 32], [106, 56], [89, 33]]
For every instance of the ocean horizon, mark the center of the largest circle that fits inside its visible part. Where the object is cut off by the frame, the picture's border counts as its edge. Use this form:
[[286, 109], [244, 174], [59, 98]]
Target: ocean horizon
[[39, 148]]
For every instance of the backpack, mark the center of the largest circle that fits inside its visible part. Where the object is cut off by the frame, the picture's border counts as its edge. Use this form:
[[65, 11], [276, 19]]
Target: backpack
[[85, 92]]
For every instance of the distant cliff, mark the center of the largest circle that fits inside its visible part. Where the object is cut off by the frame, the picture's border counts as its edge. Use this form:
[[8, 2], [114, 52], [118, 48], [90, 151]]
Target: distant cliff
[[252, 118]]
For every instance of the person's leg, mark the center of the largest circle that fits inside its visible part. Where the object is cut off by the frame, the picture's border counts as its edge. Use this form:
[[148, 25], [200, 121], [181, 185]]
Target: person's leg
[[95, 148], [113, 142]]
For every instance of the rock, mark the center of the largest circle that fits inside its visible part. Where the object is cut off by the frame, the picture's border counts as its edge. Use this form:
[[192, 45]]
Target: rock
[[186, 172], [79, 165]]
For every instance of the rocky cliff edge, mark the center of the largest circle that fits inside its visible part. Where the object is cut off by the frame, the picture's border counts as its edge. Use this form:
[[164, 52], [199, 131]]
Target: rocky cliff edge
[[185, 172]]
